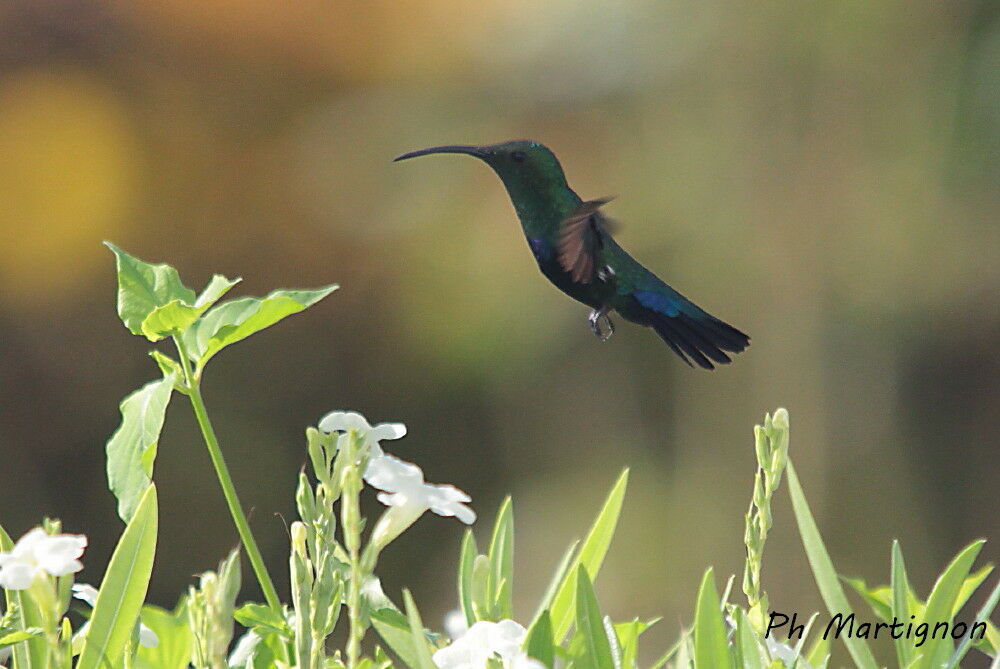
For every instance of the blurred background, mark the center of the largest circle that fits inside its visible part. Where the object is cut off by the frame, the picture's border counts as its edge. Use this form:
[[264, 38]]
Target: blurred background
[[821, 174]]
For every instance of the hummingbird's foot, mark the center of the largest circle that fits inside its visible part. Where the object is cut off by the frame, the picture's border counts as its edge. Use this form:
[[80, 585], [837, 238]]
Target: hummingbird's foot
[[595, 323]]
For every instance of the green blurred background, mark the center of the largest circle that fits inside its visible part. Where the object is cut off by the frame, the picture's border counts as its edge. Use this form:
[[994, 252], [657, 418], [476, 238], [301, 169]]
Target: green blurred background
[[821, 174]]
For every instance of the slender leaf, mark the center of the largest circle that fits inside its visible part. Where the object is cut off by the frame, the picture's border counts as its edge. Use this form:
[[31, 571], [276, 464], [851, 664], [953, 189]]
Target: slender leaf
[[899, 585], [230, 322], [589, 624], [941, 603], [538, 643], [394, 628], [558, 576], [501, 555], [746, 643], [984, 613], [467, 558], [123, 590], [823, 571], [131, 450], [421, 649], [711, 649], [591, 556]]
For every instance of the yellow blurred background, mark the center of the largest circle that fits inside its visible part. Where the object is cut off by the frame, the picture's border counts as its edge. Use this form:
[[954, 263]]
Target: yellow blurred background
[[821, 174]]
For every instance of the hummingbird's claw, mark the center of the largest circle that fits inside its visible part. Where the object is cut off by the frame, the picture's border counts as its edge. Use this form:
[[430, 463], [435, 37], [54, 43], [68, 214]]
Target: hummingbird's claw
[[595, 323]]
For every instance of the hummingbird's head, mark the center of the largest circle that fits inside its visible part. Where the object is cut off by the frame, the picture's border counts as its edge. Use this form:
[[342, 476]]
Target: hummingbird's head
[[524, 166]]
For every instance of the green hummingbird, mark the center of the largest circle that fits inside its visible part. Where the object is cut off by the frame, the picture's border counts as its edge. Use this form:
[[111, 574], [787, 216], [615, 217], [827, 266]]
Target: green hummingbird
[[571, 240]]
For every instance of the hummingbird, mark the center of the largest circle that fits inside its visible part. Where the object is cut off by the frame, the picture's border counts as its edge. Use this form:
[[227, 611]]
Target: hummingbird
[[571, 241]]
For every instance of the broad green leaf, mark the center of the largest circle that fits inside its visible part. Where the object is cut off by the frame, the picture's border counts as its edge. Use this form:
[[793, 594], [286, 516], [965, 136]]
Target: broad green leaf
[[173, 650], [394, 628], [142, 287], [421, 648], [628, 639], [818, 654], [229, 322], [899, 585], [746, 643], [711, 649], [466, 559], [538, 643], [984, 613], [123, 589], [591, 556], [969, 586], [823, 571], [501, 555], [177, 315], [590, 625], [941, 603], [254, 615], [131, 450]]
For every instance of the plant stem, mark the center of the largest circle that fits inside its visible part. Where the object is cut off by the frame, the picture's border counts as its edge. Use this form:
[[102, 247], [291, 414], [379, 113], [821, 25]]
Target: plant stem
[[351, 523], [226, 481]]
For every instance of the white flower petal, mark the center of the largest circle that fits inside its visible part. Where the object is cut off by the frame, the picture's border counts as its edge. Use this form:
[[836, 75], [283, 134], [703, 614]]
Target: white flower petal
[[58, 554], [391, 474], [85, 593], [147, 637], [17, 575], [245, 646], [455, 624], [388, 431], [342, 421]]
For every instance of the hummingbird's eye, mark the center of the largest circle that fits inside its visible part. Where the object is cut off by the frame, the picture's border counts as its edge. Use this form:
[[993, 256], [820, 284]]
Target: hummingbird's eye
[[518, 156]]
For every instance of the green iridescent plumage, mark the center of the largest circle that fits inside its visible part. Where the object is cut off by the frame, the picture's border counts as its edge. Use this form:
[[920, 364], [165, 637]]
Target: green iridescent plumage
[[573, 246]]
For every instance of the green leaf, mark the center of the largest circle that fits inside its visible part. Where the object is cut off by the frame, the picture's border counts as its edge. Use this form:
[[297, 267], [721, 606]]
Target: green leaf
[[254, 615], [628, 639], [466, 560], [747, 645], [173, 650], [11, 638], [557, 578], [538, 643], [823, 571], [143, 287], [394, 628], [123, 590], [878, 598], [131, 450], [421, 648], [591, 556], [984, 613], [711, 649], [941, 603], [501, 556], [232, 321], [899, 586], [590, 625]]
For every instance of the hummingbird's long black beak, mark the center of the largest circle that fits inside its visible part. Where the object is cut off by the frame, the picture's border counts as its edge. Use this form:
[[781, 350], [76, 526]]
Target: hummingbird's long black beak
[[476, 151]]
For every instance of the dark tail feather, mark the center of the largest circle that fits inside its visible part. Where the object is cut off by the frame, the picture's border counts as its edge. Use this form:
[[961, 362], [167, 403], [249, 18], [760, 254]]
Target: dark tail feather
[[700, 339]]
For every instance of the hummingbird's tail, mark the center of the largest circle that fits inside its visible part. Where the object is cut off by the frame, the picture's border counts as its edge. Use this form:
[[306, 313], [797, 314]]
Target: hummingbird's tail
[[701, 339]]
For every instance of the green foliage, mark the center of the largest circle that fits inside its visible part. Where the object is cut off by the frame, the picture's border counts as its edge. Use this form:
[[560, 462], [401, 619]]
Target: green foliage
[[333, 558], [131, 450], [123, 589]]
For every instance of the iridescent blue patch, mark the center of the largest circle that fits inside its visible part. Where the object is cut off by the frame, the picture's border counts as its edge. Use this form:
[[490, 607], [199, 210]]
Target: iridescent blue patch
[[657, 302], [541, 249]]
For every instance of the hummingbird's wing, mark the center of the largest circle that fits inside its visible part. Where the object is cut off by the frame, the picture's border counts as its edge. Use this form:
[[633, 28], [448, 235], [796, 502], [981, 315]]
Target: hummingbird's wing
[[580, 238]]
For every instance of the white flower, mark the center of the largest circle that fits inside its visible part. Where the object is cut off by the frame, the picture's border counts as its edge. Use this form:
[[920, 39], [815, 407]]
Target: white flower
[[37, 553], [455, 624], [407, 497], [487, 641], [244, 647], [344, 421], [88, 593]]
